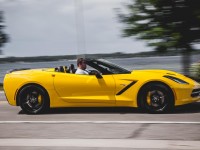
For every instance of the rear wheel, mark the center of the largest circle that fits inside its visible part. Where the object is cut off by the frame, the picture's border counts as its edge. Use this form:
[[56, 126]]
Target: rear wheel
[[33, 99], [156, 98]]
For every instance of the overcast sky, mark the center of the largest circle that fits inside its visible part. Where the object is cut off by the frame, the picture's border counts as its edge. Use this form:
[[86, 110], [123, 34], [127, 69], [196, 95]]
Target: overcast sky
[[56, 27]]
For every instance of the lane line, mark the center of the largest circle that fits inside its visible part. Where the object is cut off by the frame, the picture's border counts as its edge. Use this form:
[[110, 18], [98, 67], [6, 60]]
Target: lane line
[[104, 143], [99, 122]]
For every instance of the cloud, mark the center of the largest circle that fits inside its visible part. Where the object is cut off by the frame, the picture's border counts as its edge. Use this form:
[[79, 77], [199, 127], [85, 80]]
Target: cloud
[[49, 27]]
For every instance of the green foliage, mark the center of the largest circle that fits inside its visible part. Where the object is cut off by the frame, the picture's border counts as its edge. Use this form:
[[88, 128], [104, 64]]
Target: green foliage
[[3, 37], [195, 70], [165, 24], [1, 87]]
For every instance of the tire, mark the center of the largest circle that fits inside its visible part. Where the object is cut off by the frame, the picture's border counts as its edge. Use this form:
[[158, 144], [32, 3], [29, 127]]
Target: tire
[[33, 99], [156, 98]]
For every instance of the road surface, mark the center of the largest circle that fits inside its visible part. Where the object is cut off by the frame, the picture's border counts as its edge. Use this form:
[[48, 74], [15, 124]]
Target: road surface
[[99, 129]]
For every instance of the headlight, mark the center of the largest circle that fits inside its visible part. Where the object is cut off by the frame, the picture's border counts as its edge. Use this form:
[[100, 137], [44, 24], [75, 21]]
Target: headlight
[[177, 80]]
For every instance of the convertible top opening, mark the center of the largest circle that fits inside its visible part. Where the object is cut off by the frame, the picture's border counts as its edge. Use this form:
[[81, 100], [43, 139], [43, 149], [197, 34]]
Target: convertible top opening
[[103, 66]]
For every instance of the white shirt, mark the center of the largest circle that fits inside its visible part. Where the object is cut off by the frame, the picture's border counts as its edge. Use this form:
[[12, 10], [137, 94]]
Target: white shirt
[[80, 71]]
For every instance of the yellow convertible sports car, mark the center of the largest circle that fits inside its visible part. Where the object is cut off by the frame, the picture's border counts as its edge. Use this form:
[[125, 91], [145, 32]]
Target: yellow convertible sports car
[[107, 85]]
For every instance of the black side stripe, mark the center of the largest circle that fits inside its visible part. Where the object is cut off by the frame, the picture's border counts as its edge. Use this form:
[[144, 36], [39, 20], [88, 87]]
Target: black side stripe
[[126, 88]]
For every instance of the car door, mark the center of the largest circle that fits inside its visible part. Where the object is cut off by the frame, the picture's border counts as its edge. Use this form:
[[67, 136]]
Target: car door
[[126, 88], [76, 88]]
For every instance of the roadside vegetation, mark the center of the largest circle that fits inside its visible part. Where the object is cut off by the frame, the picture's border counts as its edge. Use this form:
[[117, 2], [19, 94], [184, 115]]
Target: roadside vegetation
[[1, 87], [165, 25], [4, 38], [195, 71]]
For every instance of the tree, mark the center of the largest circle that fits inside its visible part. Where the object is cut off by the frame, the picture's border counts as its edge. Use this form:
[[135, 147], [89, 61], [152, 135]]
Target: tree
[[165, 24], [3, 37]]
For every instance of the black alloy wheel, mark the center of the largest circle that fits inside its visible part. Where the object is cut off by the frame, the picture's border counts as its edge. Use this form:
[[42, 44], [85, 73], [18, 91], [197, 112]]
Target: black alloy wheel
[[156, 98], [33, 99]]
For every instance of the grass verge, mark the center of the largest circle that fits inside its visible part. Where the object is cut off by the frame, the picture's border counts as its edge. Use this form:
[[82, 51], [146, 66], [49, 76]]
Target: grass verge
[[1, 87]]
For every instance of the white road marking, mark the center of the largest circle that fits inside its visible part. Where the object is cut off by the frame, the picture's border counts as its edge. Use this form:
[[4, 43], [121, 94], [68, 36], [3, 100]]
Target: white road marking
[[104, 143], [99, 122], [4, 102], [2, 96]]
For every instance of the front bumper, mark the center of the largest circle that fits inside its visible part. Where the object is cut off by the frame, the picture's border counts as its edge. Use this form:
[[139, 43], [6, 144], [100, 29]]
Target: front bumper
[[195, 93], [187, 94]]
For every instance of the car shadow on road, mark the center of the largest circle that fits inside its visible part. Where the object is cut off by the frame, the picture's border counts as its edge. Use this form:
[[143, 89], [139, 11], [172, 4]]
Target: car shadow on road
[[95, 110], [189, 108]]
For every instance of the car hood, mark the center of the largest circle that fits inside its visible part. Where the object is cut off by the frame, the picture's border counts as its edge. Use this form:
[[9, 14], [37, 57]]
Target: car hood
[[163, 72]]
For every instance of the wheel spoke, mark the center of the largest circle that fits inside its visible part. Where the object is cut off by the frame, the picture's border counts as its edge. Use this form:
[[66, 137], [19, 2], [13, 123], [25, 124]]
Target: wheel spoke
[[157, 100], [37, 106], [27, 103]]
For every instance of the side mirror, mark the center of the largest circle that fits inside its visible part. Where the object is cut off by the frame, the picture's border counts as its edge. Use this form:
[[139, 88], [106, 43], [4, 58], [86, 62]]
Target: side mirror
[[96, 73], [99, 76]]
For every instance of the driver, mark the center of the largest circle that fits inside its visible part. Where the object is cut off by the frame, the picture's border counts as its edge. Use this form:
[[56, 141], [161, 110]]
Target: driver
[[81, 63]]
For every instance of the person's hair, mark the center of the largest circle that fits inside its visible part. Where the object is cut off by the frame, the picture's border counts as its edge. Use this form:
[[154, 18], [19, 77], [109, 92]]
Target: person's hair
[[80, 61]]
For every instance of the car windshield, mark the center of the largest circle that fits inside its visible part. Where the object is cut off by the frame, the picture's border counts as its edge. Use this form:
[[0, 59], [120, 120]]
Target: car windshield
[[106, 67]]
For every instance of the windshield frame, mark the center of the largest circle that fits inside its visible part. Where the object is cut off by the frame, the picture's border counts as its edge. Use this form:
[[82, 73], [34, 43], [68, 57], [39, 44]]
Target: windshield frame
[[106, 67]]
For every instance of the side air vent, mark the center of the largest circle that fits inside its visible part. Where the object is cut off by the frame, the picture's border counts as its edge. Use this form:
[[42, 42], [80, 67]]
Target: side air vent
[[195, 93]]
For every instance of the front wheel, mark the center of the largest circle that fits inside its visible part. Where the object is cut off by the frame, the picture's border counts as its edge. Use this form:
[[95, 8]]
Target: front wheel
[[156, 98], [33, 99]]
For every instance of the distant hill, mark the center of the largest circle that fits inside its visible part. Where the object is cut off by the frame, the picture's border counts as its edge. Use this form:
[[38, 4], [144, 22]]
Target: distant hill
[[70, 57]]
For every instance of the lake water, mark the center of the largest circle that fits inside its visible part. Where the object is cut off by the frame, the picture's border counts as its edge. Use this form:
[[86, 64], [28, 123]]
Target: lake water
[[168, 62]]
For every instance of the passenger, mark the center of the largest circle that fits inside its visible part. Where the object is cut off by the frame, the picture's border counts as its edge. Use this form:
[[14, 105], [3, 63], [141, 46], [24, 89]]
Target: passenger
[[81, 63]]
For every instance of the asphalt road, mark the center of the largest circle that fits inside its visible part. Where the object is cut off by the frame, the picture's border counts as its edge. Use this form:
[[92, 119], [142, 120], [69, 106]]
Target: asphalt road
[[99, 128]]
